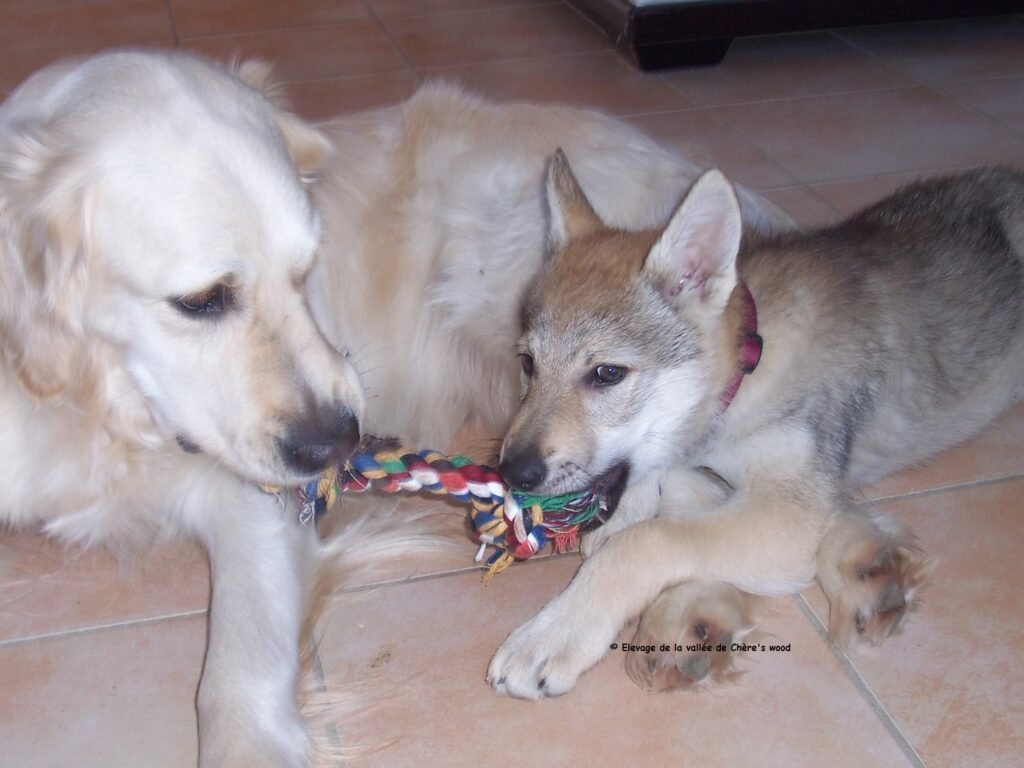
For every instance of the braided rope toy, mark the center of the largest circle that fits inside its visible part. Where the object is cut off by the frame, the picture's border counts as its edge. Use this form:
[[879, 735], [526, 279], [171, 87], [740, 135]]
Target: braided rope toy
[[515, 525]]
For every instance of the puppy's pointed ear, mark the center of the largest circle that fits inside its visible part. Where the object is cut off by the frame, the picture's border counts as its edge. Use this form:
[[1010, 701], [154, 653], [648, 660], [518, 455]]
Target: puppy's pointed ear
[[570, 214], [694, 261]]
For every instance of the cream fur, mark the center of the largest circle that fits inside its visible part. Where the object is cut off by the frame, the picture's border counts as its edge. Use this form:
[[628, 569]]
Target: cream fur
[[130, 179]]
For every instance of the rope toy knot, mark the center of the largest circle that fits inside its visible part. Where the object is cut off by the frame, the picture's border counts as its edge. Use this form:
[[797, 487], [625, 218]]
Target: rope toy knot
[[508, 524]]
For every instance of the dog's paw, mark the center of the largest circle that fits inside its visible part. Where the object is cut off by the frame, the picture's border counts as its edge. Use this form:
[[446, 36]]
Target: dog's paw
[[676, 646], [879, 585], [546, 656]]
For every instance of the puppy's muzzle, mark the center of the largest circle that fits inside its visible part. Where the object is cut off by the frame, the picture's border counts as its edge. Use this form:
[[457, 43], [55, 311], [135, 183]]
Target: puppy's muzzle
[[325, 437]]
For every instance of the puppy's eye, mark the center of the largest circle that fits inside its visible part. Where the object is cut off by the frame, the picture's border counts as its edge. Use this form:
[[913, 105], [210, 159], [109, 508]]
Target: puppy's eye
[[206, 303], [606, 375], [527, 362]]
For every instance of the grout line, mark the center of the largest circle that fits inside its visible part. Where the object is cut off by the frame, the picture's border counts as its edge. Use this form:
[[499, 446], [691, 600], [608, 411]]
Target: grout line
[[855, 677], [440, 70], [340, 22], [445, 574], [923, 492], [724, 122], [329, 728], [174, 23], [777, 99], [589, 22], [837, 34], [95, 628], [941, 89], [394, 43], [510, 5]]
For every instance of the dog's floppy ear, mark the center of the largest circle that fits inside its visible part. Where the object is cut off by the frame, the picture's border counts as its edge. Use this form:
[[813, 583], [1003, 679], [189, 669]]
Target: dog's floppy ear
[[308, 147], [694, 260], [570, 214], [42, 268]]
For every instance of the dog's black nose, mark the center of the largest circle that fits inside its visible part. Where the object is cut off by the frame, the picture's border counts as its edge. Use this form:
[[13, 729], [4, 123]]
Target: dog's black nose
[[322, 439], [523, 469]]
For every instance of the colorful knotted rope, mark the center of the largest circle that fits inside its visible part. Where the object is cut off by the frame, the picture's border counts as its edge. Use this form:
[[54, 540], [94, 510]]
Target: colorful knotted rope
[[516, 525]]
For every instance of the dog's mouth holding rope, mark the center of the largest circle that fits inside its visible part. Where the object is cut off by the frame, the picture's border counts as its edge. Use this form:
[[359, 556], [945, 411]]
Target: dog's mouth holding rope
[[607, 490]]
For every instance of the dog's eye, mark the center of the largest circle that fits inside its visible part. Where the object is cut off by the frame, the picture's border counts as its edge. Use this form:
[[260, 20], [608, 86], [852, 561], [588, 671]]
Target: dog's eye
[[527, 362], [205, 303], [605, 375]]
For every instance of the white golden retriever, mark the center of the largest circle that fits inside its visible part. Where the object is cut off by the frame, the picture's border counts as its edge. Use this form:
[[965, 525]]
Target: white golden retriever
[[165, 229]]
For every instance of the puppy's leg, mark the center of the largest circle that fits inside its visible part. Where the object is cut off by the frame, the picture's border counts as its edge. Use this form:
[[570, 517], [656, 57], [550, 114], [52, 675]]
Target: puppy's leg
[[764, 541], [679, 492], [693, 620], [872, 574], [259, 557], [639, 502]]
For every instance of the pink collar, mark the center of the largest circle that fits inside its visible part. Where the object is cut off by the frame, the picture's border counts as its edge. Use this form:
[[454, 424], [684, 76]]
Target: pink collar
[[751, 346]]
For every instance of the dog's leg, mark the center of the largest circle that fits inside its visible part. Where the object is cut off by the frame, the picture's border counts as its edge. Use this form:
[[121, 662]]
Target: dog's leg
[[685, 638], [872, 574], [259, 557], [764, 541]]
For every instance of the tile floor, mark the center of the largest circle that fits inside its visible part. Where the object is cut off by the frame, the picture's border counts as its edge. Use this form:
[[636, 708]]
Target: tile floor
[[99, 661]]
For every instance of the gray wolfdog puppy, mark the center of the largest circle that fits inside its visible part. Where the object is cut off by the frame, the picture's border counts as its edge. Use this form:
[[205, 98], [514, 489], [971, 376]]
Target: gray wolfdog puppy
[[886, 338]]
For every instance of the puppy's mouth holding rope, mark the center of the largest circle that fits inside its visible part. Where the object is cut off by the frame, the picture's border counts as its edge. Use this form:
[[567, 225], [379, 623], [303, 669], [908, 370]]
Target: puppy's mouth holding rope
[[607, 490]]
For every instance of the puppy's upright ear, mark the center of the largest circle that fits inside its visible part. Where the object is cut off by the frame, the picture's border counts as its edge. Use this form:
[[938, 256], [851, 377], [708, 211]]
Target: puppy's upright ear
[[308, 148], [43, 272], [570, 215], [693, 263]]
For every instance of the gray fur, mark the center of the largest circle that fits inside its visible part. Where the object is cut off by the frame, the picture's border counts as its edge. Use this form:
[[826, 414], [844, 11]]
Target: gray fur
[[917, 316]]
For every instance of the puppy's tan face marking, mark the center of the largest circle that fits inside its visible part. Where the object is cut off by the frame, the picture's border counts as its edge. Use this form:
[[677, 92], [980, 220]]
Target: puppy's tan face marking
[[622, 334]]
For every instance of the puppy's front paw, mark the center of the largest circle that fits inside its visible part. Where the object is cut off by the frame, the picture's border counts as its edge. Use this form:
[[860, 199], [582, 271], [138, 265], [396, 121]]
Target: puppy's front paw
[[880, 584], [692, 621], [546, 656]]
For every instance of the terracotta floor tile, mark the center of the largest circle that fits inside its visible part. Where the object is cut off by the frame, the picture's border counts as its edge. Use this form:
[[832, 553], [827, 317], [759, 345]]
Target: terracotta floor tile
[[805, 208], [785, 66], [16, 68], [45, 589], [119, 698], [602, 80], [849, 197], [356, 47], [953, 680], [710, 143], [36, 28], [959, 49], [998, 452], [507, 33], [829, 138], [194, 18], [386, 8], [430, 643], [1000, 99], [322, 99]]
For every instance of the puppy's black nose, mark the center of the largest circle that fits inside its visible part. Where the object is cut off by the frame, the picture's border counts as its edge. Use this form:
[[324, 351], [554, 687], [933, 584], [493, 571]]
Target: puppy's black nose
[[322, 439], [523, 469]]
